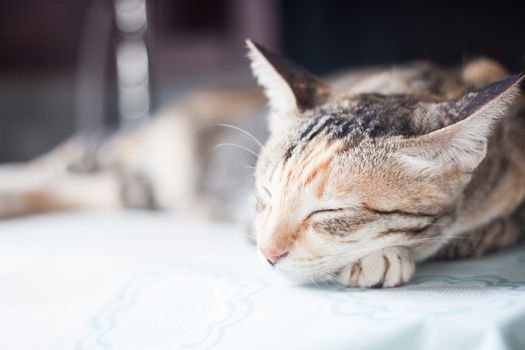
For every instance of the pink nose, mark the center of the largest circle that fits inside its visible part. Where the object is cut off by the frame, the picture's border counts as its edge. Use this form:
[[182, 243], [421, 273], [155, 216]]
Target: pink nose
[[273, 255]]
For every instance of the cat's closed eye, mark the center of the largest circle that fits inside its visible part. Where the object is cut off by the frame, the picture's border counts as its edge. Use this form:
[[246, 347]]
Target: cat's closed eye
[[320, 212]]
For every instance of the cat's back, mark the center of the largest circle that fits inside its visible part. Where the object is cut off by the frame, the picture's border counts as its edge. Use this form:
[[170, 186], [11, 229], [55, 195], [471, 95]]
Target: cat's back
[[422, 79]]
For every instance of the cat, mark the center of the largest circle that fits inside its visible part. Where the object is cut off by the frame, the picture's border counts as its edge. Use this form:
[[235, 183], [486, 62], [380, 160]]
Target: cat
[[355, 179], [171, 162], [357, 184]]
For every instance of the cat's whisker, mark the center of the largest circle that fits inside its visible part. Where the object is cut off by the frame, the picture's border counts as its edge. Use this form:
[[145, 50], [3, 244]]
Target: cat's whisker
[[438, 224], [465, 236], [245, 176], [331, 277], [430, 239], [238, 146], [253, 138], [246, 133], [327, 281]]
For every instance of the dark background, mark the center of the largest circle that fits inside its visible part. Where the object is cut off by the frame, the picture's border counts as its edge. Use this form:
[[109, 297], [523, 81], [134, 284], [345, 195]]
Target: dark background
[[332, 34], [200, 43]]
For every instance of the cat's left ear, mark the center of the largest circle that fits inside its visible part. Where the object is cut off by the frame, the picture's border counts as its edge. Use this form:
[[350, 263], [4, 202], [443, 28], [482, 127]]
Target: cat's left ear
[[289, 88], [464, 126]]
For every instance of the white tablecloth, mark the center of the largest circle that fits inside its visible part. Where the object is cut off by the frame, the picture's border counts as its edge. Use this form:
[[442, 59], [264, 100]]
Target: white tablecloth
[[151, 281]]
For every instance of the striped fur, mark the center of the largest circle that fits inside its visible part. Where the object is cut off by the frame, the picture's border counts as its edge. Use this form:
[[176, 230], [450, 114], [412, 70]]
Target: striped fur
[[404, 165]]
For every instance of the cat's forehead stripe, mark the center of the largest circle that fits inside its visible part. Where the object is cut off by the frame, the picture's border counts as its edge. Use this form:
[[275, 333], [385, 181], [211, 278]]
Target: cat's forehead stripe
[[353, 119], [312, 165]]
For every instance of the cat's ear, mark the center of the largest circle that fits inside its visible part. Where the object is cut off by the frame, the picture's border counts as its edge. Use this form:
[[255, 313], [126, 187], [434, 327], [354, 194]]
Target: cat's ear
[[289, 88], [465, 124]]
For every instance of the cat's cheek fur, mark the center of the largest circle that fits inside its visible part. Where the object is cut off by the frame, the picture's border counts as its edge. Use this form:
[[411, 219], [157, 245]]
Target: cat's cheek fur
[[388, 267]]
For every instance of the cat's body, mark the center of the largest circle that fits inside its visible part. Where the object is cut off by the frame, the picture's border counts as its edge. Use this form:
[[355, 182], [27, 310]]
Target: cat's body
[[169, 163], [349, 179]]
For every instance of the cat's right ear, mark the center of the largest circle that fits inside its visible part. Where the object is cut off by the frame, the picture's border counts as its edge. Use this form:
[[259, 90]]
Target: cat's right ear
[[290, 89], [465, 125]]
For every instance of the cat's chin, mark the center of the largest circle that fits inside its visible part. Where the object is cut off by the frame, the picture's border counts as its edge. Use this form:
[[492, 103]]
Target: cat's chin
[[309, 277]]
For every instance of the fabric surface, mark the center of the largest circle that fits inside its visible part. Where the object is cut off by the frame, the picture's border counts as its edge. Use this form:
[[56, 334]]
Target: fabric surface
[[151, 281]]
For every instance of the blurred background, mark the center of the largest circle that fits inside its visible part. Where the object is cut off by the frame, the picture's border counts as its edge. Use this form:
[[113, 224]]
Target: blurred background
[[71, 65]]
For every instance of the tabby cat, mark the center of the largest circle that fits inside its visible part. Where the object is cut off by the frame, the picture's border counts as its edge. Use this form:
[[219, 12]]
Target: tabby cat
[[358, 180], [357, 184]]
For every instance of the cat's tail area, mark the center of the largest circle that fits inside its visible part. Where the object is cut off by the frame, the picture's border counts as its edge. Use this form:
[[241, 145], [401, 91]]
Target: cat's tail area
[[156, 165], [67, 177], [148, 167], [66, 192]]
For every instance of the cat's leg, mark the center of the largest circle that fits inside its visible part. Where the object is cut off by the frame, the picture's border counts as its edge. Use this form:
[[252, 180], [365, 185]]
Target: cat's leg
[[65, 192], [69, 176], [26, 175], [388, 267]]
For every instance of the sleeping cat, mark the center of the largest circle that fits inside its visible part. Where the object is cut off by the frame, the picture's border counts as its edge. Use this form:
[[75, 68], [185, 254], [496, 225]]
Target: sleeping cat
[[358, 179], [358, 184]]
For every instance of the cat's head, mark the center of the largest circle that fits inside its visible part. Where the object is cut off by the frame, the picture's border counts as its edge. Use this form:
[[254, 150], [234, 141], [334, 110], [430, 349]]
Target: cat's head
[[342, 176]]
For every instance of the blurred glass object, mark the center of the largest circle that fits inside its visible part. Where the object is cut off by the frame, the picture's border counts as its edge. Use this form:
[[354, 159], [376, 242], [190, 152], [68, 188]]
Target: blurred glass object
[[132, 61], [131, 16], [91, 74]]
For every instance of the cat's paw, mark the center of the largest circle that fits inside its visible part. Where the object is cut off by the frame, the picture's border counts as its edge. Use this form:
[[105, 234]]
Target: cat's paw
[[388, 267]]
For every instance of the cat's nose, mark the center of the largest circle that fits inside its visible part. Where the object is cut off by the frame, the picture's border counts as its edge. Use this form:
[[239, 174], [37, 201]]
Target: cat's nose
[[273, 255]]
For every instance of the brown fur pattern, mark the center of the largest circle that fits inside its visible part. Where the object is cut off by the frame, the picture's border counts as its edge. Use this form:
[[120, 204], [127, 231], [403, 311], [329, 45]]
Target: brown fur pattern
[[403, 164]]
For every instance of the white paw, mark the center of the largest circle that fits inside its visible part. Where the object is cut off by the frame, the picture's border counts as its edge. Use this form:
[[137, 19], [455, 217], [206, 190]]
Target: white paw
[[388, 267]]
